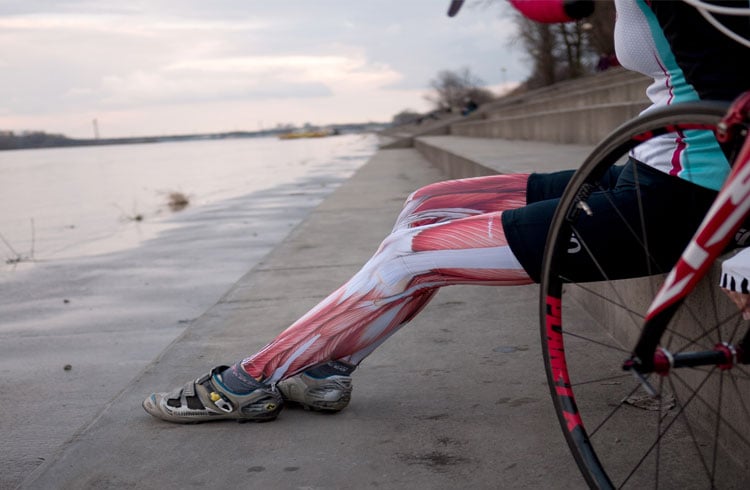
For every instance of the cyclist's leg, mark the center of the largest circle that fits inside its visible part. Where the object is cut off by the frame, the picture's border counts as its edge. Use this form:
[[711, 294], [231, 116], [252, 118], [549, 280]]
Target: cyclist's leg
[[328, 386], [447, 200], [443, 201], [448, 233], [452, 199]]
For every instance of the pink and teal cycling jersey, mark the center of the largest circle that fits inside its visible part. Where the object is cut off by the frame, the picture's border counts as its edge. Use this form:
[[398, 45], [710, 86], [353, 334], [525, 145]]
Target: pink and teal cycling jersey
[[700, 65]]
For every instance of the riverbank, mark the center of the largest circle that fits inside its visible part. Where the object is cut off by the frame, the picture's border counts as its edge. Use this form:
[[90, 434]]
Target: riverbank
[[458, 399], [10, 140], [82, 320]]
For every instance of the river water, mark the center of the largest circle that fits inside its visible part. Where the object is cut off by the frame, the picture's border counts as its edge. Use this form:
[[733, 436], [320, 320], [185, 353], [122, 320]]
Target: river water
[[68, 202]]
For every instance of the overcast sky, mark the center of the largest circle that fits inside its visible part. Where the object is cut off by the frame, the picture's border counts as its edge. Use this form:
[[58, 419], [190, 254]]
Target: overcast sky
[[146, 67]]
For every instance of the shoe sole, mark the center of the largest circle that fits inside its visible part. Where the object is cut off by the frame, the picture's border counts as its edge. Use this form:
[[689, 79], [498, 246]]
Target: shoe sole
[[262, 411]]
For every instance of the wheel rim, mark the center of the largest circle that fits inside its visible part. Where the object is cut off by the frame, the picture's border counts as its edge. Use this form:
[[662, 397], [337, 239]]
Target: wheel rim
[[694, 433]]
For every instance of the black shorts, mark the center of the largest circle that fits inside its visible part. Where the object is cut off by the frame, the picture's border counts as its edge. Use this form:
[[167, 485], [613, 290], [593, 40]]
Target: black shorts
[[674, 207]]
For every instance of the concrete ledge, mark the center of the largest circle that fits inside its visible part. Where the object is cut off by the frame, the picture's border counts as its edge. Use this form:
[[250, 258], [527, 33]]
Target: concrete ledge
[[599, 82], [450, 163], [615, 93], [461, 157], [397, 143], [586, 125], [612, 86]]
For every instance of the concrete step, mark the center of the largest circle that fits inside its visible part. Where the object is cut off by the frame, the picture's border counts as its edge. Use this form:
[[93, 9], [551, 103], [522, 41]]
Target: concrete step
[[579, 125], [559, 113], [568, 89], [629, 91], [460, 157]]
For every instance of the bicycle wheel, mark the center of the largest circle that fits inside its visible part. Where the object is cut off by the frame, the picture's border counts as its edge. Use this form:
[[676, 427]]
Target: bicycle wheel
[[694, 430]]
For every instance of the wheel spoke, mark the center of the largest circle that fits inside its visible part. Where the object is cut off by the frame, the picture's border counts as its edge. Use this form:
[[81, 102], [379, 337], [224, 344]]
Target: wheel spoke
[[619, 304], [660, 434], [600, 320], [735, 431], [717, 427], [597, 342], [694, 439]]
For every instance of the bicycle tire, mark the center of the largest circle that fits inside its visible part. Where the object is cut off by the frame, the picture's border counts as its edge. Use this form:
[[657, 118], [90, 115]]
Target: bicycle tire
[[595, 401]]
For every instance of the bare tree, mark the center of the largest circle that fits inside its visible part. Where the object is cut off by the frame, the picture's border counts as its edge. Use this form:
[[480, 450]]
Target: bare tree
[[568, 50], [601, 35], [538, 41], [452, 89], [574, 42]]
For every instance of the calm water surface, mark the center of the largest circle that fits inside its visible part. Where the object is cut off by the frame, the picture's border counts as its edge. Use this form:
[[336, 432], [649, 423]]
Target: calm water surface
[[68, 202]]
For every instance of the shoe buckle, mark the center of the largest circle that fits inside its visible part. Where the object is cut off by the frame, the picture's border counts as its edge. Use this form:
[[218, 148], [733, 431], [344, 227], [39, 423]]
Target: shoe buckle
[[221, 402]]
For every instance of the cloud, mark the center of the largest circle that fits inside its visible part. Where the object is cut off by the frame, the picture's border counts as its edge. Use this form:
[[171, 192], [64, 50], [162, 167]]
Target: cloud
[[333, 70], [164, 87], [142, 60], [70, 60], [133, 25], [247, 77]]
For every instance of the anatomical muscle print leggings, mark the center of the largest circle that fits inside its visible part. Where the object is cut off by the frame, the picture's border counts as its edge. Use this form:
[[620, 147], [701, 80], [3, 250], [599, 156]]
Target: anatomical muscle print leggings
[[448, 233]]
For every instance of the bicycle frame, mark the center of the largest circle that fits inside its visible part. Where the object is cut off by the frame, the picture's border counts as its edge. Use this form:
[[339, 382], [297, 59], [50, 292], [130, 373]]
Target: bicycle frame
[[725, 216]]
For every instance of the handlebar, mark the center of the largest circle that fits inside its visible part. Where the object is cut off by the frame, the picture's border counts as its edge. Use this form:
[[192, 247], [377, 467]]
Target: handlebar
[[454, 7]]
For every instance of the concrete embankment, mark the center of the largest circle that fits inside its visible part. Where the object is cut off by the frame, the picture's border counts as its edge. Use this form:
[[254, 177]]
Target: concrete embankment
[[456, 399]]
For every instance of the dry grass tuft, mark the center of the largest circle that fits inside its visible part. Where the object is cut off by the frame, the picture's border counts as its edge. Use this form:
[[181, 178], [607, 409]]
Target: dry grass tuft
[[177, 201]]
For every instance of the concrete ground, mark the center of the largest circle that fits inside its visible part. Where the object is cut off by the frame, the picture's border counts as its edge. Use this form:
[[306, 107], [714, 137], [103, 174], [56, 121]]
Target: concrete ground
[[456, 399]]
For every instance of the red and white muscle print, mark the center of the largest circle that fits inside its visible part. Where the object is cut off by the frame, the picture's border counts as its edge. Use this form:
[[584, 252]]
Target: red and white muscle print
[[448, 233]]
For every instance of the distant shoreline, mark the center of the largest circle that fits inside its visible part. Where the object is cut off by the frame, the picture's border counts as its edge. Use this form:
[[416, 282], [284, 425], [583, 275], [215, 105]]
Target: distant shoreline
[[39, 139]]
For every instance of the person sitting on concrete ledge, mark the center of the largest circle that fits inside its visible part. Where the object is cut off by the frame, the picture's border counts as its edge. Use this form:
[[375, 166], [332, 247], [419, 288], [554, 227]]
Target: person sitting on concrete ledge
[[469, 106], [486, 230]]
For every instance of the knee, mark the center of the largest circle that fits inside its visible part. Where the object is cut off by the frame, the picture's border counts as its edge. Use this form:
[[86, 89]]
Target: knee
[[397, 243], [411, 204], [427, 191]]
